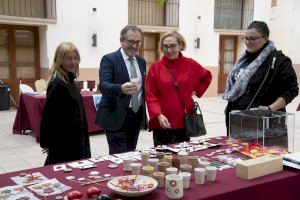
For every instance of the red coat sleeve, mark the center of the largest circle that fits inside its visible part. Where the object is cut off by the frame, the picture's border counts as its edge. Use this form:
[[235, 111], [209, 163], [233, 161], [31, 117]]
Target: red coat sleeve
[[153, 105], [203, 82]]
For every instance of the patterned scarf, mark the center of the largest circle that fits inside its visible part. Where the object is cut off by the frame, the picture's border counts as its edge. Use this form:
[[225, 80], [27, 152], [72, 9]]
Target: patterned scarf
[[237, 89]]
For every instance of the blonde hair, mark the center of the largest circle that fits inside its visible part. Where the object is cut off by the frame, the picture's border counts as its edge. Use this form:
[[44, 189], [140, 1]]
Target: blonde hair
[[59, 57], [180, 39]]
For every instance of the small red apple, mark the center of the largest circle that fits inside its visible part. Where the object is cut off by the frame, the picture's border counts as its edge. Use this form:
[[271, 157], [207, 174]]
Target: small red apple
[[93, 191], [75, 194]]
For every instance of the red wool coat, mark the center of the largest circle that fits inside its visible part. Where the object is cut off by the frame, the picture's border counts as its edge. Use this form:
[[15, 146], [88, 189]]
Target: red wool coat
[[161, 95]]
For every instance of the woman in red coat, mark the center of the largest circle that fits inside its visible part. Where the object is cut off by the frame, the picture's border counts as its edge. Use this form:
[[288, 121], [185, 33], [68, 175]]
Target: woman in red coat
[[166, 113]]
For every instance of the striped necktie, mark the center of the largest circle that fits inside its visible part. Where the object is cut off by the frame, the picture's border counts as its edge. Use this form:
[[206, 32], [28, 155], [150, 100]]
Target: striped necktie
[[134, 97]]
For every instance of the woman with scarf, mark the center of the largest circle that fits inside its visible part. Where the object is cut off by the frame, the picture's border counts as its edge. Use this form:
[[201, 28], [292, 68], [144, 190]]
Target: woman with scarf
[[166, 112], [262, 78], [64, 131]]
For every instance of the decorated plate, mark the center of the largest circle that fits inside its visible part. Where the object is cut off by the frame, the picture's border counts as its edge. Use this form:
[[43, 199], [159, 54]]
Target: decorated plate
[[132, 185]]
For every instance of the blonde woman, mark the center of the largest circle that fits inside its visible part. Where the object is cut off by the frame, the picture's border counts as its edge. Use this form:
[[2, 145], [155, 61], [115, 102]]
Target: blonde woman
[[64, 130]]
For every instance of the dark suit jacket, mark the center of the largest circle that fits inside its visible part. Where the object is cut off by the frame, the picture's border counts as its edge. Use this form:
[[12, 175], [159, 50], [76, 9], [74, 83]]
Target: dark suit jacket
[[114, 104]]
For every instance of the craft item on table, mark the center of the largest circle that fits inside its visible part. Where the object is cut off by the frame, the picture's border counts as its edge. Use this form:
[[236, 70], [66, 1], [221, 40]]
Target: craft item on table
[[127, 163], [202, 139], [174, 186], [113, 159], [175, 150], [257, 167], [16, 192], [59, 198], [159, 148], [210, 154], [112, 166], [70, 177], [198, 147], [82, 164], [132, 185], [254, 150], [228, 159], [136, 155], [152, 155], [29, 179], [49, 187], [211, 173], [186, 177], [22, 174], [145, 156], [93, 173], [211, 145], [194, 142], [229, 142], [68, 170], [107, 176], [91, 179], [183, 145], [222, 167], [93, 191], [169, 158], [59, 167], [75, 194], [147, 150], [96, 159]]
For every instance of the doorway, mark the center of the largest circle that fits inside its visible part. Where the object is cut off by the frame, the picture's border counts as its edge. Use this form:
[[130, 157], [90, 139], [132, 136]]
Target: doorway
[[228, 53], [149, 48], [19, 60]]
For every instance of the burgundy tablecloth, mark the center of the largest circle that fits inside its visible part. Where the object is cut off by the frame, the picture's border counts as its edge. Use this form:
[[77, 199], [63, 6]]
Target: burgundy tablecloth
[[281, 185], [298, 109], [30, 108]]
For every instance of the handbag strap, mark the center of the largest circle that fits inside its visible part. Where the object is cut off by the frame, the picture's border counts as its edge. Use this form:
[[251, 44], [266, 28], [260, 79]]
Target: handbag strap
[[271, 66], [177, 90]]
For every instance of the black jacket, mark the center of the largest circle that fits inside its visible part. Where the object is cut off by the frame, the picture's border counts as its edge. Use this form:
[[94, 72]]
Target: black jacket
[[64, 129], [281, 81]]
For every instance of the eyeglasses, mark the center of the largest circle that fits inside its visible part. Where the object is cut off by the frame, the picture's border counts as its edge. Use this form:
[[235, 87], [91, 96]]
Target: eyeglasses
[[132, 42], [250, 39], [171, 46]]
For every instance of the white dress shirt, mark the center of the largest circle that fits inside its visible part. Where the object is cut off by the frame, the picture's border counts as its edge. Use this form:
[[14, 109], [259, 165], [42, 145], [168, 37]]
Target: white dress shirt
[[138, 73]]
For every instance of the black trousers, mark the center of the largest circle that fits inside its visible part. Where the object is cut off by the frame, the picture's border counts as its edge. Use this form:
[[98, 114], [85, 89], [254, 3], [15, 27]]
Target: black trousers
[[125, 139], [169, 136]]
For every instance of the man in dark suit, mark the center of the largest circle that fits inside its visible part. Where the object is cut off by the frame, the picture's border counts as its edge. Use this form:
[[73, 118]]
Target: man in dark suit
[[122, 106]]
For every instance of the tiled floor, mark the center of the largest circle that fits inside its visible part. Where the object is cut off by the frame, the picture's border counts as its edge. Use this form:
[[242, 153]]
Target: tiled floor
[[19, 152]]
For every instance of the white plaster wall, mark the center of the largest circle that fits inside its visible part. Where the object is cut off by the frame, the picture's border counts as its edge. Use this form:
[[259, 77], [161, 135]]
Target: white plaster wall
[[285, 26], [191, 27], [76, 22], [295, 35], [284, 23], [262, 10], [281, 25]]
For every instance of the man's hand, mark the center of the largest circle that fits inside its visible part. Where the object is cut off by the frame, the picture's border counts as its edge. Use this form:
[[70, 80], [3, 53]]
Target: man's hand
[[163, 121], [129, 88]]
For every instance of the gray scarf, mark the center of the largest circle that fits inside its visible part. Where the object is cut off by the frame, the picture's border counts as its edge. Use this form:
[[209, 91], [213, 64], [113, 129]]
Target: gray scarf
[[237, 89]]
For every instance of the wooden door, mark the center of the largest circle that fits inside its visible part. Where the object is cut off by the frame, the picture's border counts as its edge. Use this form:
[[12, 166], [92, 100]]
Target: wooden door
[[149, 48], [228, 52], [20, 61]]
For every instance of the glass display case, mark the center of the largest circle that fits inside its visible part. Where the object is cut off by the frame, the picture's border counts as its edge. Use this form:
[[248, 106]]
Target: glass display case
[[268, 128]]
